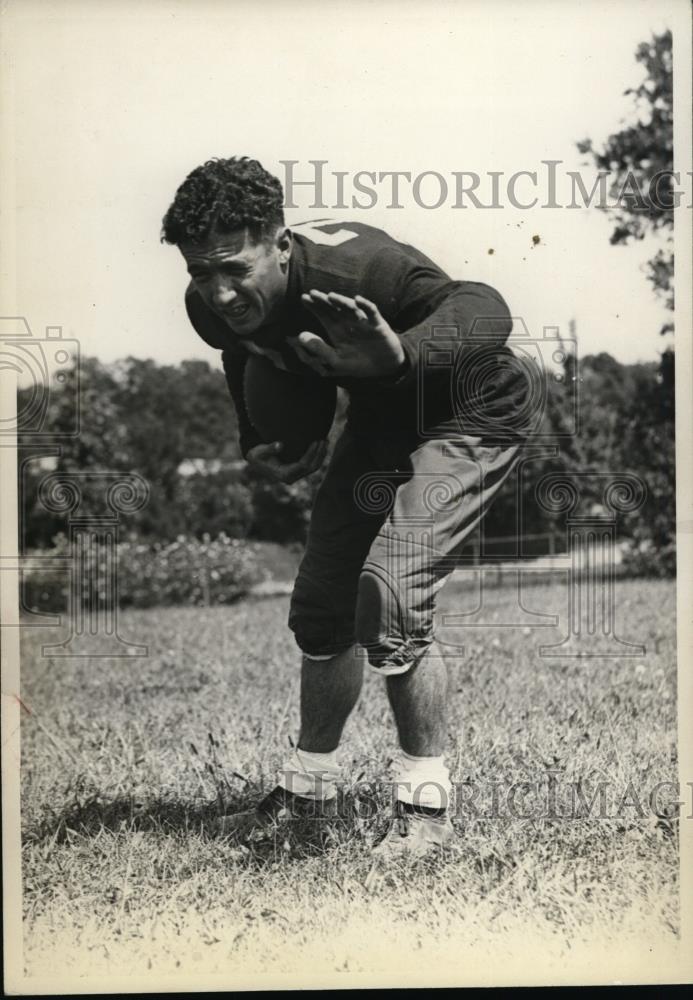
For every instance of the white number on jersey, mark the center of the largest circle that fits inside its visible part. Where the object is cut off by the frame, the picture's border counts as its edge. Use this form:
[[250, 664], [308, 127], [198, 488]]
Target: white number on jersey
[[312, 231]]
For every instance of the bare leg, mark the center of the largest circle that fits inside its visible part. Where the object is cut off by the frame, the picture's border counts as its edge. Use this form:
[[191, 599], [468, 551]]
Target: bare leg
[[329, 692], [419, 702]]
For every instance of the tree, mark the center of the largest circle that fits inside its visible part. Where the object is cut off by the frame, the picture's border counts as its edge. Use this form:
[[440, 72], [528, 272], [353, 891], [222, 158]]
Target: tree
[[640, 160], [100, 445], [649, 440]]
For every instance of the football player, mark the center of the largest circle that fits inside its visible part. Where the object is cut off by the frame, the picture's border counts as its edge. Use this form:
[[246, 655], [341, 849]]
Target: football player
[[430, 437]]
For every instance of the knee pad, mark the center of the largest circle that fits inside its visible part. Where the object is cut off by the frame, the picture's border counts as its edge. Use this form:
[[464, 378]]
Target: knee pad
[[320, 639], [318, 645], [394, 637], [321, 620]]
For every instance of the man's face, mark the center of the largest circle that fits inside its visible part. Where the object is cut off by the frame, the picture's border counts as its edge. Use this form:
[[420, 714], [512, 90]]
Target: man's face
[[241, 280]]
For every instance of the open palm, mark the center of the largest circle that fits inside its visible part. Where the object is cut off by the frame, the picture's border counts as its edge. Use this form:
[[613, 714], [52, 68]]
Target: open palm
[[361, 343]]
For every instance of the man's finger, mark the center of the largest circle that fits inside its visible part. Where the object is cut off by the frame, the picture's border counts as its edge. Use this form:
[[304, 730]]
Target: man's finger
[[314, 456], [294, 470], [317, 349], [368, 307], [288, 472], [346, 305], [318, 296], [263, 451], [302, 355], [272, 471], [322, 452], [308, 457], [320, 306]]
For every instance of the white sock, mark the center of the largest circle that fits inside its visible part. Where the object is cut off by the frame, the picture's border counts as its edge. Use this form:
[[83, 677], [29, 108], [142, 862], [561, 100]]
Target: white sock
[[422, 781], [312, 775]]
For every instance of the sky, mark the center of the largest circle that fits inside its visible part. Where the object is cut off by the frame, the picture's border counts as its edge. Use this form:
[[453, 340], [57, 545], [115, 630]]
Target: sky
[[109, 105]]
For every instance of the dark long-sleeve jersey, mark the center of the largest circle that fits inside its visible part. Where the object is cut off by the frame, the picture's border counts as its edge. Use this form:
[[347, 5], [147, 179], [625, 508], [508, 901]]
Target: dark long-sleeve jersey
[[443, 325]]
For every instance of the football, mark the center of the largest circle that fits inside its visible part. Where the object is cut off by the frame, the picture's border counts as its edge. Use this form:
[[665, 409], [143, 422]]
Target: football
[[287, 407]]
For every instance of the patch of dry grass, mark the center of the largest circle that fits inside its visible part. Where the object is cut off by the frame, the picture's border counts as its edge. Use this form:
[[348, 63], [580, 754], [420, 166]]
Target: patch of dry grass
[[125, 761]]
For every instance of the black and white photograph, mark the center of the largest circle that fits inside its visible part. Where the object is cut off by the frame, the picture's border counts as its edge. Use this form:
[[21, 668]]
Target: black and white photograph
[[345, 443]]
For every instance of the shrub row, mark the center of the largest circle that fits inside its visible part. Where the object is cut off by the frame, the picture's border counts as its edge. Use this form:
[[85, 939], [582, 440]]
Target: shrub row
[[187, 571]]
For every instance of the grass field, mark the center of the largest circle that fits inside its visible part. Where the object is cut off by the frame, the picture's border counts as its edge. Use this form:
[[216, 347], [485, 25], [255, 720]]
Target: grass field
[[125, 762]]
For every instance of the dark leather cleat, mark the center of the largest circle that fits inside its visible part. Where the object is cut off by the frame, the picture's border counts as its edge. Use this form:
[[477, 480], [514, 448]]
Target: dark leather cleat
[[273, 812]]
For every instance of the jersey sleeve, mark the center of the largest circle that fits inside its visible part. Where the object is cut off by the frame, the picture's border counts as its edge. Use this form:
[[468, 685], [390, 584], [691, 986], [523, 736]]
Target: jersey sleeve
[[414, 296]]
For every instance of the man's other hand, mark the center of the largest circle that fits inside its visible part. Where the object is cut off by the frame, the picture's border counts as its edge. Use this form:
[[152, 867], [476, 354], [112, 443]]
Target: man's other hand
[[361, 343], [266, 458]]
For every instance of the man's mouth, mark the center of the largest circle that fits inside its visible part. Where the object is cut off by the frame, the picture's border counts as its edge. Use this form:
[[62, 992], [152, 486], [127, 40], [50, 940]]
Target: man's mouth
[[234, 313]]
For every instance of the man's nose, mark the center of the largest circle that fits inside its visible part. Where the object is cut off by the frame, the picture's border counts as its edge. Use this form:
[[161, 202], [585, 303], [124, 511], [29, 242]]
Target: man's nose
[[223, 293]]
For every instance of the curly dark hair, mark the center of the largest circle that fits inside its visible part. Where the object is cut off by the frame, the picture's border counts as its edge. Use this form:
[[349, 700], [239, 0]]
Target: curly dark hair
[[224, 195]]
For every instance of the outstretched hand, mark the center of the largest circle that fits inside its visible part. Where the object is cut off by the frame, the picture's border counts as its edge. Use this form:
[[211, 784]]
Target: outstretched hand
[[361, 343]]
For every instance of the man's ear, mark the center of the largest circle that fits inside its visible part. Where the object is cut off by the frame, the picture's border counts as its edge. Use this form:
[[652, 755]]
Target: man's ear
[[285, 241]]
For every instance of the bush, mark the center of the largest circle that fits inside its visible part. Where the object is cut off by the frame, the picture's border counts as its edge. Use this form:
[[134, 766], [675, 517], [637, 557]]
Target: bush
[[214, 503], [645, 559], [281, 512], [187, 571]]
